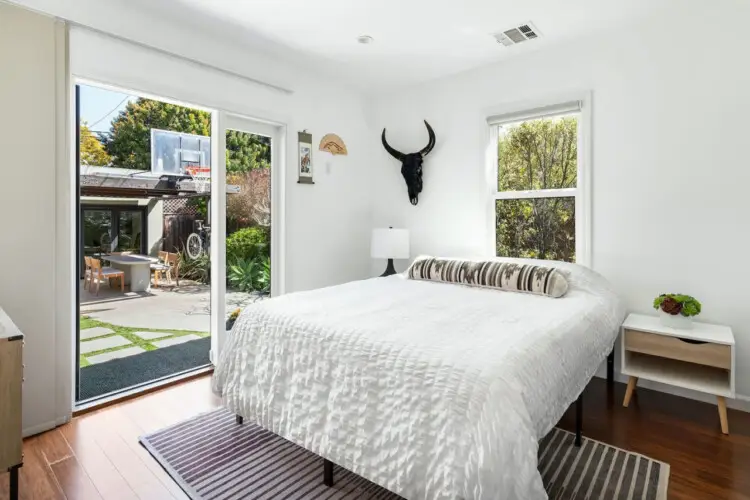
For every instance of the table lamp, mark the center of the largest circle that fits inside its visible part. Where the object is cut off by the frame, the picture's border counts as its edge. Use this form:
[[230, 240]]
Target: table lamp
[[389, 244]]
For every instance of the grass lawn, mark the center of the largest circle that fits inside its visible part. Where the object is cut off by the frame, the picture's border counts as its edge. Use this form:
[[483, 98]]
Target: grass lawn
[[128, 333]]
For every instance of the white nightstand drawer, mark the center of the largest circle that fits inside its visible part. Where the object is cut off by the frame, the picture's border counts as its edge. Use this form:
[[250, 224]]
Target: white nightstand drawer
[[708, 354]]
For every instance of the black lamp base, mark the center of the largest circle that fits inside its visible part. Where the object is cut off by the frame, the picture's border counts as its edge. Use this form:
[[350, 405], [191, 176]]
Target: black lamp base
[[389, 270]]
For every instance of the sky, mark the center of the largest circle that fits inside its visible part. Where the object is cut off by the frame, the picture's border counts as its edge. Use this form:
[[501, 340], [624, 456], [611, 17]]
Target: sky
[[102, 106]]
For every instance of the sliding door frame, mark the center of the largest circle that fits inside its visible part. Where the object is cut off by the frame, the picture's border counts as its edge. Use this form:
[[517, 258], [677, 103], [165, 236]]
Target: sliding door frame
[[220, 121], [223, 121]]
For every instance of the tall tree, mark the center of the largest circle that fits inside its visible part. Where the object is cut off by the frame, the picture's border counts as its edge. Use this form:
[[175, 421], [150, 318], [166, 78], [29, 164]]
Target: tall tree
[[92, 150], [247, 152], [537, 154], [129, 140], [252, 205]]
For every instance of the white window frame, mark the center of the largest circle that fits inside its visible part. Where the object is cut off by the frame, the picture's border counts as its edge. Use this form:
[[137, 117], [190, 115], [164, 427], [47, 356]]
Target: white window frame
[[542, 108]]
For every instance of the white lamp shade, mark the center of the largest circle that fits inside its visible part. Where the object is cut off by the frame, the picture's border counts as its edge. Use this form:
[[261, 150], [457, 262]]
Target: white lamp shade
[[390, 244]]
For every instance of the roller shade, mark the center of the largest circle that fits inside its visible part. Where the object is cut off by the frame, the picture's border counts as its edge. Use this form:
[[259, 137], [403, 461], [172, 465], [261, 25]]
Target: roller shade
[[530, 114]]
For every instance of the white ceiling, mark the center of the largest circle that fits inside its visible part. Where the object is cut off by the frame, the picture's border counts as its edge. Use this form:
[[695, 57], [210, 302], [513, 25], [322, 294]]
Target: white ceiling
[[415, 40]]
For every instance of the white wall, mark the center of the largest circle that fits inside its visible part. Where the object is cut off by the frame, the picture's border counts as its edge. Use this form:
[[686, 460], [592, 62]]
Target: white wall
[[155, 224], [28, 139], [670, 166]]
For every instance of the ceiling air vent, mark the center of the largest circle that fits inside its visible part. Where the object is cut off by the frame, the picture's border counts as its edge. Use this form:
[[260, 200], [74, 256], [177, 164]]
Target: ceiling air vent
[[517, 35]]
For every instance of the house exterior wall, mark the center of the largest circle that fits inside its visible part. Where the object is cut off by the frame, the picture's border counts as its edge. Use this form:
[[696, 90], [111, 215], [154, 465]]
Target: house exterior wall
[[155, 221]]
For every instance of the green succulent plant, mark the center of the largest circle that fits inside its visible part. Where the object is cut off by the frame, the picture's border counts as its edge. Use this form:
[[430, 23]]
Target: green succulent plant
[[677, 303]]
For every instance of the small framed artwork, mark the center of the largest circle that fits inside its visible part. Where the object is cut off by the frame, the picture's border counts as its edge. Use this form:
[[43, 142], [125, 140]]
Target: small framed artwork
[[305, 167]]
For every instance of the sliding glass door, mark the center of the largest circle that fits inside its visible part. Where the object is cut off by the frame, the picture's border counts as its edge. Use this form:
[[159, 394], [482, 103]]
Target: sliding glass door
[[196, 207], [250, 225]]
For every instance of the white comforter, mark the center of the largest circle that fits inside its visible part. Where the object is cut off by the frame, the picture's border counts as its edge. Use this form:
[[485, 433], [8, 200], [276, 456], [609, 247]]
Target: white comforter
[[431, 390]]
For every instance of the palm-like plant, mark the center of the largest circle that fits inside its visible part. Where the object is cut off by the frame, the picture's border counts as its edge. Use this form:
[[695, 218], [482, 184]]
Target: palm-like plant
[[242, 274], [263, 282]]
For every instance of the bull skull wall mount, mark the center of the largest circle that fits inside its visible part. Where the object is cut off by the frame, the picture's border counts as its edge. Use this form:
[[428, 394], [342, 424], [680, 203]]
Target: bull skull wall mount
[[411, 164]]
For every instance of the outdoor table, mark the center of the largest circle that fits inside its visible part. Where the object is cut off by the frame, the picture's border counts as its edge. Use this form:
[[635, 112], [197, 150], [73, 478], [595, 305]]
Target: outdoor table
[[137, 269]]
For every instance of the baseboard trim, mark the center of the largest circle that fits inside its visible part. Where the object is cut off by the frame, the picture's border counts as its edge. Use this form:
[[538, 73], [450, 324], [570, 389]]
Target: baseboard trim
[[38, 429]]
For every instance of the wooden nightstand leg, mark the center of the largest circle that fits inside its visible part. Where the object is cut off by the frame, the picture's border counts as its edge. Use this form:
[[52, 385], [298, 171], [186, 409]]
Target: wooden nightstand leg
[[723, 414], [632, 381]]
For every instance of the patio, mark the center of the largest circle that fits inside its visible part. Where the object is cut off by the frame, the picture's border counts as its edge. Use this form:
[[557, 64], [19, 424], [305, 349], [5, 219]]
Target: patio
[[121, 332]]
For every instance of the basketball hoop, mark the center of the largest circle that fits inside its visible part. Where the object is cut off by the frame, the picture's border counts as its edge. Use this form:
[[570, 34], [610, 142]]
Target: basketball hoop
[[201, 178]]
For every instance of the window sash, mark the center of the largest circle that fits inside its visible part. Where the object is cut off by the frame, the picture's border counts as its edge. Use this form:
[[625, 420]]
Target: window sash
[[536, 193], [580, 192], [550, 111]]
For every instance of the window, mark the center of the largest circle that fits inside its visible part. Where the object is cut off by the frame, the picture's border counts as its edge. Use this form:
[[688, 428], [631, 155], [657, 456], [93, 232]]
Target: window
[[538, 183]]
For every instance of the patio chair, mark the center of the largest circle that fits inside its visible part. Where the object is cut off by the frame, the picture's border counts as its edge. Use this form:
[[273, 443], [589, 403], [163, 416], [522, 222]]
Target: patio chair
[[88, 274], [173, 260], [99, 272], [161, 267]]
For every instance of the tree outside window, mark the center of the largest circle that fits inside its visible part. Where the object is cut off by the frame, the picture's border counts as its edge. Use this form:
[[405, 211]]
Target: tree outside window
[[537, 186]]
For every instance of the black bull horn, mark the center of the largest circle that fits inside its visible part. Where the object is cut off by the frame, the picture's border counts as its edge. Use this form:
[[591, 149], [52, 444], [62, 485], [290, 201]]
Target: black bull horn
[[411, 164]]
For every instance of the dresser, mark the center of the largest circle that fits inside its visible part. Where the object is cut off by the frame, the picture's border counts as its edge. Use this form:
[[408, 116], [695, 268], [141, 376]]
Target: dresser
[[11, 378], [700, 359]]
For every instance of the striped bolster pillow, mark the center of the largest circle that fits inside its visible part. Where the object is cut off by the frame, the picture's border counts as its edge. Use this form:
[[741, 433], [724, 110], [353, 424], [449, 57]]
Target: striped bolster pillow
[[509, 276]]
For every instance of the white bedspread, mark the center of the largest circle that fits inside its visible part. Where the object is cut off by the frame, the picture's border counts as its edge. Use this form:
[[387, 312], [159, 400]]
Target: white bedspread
[[431, 390]]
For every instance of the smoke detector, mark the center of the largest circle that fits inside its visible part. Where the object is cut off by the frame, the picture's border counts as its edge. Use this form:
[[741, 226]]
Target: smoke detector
[[517, 35]]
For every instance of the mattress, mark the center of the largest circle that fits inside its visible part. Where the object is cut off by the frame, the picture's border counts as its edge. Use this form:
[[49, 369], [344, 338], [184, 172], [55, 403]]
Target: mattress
[[432, 390]]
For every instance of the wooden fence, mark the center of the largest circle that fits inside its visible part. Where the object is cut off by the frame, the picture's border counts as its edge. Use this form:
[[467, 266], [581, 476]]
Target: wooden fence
[[177, 228]]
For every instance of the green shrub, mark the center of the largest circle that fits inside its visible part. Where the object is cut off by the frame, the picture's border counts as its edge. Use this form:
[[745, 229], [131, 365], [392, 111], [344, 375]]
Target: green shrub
[[242, 274], [248, 244], [195, 269], [250, 275], [263, 281]]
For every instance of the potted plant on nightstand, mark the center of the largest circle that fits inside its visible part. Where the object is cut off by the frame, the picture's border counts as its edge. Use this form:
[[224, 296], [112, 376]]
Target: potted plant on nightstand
[[677, 310]]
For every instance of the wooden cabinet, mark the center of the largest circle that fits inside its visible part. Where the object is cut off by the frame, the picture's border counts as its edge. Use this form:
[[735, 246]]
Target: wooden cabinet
[[11, 378], [700, 359]]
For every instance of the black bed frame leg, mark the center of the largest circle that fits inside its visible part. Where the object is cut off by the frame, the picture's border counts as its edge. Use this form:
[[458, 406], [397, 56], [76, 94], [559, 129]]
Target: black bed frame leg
[[611, 367], [327, 472], [579, 419], [239, 419]]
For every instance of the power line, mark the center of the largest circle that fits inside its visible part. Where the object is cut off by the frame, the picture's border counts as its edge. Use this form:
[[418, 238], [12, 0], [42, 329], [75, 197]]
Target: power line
[[110, 112]]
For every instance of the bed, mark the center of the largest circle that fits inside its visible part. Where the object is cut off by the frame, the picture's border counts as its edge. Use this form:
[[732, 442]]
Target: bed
[[431, 390]]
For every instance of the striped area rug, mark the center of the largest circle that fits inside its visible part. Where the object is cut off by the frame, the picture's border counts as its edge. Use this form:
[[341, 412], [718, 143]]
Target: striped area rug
[[213, 458]]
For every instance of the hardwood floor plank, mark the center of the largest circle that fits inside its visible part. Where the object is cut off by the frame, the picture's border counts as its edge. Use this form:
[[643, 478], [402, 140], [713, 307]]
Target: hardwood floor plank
[[103, 445], [129, 434], [74, 480], [35, 478], [138, 475], [105, 476], [685, 433], [53, 446]]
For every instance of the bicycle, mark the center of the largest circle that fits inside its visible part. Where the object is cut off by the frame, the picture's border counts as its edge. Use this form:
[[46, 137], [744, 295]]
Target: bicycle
[[198, 242]]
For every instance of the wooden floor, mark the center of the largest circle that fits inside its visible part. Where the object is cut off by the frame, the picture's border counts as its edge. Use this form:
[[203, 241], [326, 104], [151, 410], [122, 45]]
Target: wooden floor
[[97, 455]]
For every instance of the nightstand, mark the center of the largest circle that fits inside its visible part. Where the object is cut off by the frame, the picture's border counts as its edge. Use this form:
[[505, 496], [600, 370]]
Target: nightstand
[[11, 378], [701, 359]]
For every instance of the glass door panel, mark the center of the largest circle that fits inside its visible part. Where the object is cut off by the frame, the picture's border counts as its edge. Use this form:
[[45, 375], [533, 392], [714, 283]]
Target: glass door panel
[[130, 232], [97, 231], [248, 151]]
